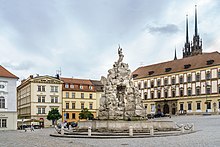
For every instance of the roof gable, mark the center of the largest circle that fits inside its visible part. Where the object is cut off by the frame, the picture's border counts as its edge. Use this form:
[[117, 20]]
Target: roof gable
[[5, 73]]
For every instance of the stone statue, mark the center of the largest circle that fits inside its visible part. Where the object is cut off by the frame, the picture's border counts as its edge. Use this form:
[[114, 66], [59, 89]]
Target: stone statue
[[121, 100]]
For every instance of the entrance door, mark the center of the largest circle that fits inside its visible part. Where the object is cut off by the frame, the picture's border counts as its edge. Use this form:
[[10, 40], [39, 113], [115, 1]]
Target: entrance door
[[166, 109], [173, 111]]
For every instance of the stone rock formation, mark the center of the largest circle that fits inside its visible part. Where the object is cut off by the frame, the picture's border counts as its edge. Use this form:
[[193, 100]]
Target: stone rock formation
[[121, 99]]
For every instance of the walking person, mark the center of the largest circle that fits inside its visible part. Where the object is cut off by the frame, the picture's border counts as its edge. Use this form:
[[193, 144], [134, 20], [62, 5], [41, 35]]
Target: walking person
[[32, 127]]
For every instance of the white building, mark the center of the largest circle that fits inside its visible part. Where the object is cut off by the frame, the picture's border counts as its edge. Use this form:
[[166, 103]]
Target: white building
[[8, 107]]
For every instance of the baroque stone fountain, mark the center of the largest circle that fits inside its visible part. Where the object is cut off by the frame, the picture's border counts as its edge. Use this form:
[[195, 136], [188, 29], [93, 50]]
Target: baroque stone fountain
[[121, 99]]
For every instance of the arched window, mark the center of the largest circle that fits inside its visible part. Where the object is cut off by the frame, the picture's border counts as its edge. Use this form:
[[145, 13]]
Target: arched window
[[2, 102]]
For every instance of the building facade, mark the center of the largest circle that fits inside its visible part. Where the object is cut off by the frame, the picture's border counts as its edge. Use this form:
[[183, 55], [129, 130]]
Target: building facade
[[8, 105], [36, 96], [189, 85], [79, 94]]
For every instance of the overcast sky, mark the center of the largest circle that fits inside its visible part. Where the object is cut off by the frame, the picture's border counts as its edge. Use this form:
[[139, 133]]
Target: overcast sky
[[81, 36]]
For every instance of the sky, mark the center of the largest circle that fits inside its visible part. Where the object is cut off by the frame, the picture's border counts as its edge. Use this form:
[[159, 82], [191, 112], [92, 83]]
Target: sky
[[81, 37]]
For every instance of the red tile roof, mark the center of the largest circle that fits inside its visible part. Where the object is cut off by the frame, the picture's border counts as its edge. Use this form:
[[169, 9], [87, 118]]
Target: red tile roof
[[5, 73], [76, 81], [180, 65]]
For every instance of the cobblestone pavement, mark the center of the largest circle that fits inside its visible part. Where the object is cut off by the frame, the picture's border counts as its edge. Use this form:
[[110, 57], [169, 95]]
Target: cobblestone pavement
[[207, 135]]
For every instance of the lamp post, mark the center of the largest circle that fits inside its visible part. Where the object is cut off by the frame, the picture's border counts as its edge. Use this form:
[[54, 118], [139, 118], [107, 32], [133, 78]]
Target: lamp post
[[206, 92]]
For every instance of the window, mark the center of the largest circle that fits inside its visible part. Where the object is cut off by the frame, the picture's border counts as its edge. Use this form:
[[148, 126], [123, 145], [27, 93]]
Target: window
[[145, 106], [173, 81], [152, 95], [208, 75], [219, 74], [66, 85], [73, 105], [67, 94], [90, 96], [82, 105], [41, 110], [218, 88], [173, 93], [73, 94], [71, 86], [189, 106], [181, 92], [139, 86], [181, 79], [158, 94], [145, 95], [41, 88], [198, 91], [82, 95], [158, 82], [198, 106], [81, 87], [41, 99], [166, 94], [54, 99], [2, 102], [166, 82], [189, 78], [197, 77], [218, 104], [208, 90], [181, 106], [67, 105], [189, 92], [73, 115], [90, 87], [90, 105], [3, 123], [208, 105], [145, 84], [67, 116], [152, 84], [54, 89]]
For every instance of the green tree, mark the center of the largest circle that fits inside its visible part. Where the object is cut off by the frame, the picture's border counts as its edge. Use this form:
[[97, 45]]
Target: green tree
[[86, 114], [54, 115]]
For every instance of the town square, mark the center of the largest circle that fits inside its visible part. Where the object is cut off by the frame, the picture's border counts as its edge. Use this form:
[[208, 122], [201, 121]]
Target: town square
[[109, 73]]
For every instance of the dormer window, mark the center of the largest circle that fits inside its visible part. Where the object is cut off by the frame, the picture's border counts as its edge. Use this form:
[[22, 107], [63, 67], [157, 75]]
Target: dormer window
[[71, 86], [90, 87], [209, 62], [81, 87], [135, 75], [168, 69], [66, 85], [150, 72], [187, 66]]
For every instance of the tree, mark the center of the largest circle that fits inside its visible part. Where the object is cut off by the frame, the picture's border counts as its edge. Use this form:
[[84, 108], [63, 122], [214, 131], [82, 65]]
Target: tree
[[54, 115], [86, 114]]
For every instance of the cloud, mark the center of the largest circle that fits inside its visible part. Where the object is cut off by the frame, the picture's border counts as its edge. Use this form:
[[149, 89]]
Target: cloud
[[25, 65], [167, 29]]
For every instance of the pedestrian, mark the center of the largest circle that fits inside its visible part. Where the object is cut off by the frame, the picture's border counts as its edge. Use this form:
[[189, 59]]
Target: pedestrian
[[32, 127]]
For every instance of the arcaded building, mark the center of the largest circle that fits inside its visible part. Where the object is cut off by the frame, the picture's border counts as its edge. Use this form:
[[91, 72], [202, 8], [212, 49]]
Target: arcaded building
[[190, 85]]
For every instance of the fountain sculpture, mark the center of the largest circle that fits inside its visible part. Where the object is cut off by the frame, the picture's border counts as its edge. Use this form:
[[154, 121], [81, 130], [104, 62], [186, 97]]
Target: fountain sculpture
[[121, 99]]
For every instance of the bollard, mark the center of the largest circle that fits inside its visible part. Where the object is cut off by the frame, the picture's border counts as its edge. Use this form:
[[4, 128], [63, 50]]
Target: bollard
[[151, 130], [182, 128], [192, 129], [62, 130], [131, 131], [89, 131]]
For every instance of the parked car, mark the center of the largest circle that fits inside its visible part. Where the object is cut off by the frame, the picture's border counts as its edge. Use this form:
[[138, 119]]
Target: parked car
[[22, 127]]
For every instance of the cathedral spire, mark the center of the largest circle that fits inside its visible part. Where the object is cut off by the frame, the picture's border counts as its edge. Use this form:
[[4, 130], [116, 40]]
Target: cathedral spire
[[196, 28], [175, 57], [187, 31]]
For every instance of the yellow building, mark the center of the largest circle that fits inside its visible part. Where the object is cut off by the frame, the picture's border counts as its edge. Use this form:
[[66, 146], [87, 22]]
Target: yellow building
[[189, 85], [36, 96], [79, 94]]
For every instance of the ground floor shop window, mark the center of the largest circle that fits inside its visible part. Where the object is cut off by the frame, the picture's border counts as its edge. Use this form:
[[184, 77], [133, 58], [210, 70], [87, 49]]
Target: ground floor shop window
[[3, 123], [198, 106], [208, 105], [189, 106], [73, 115]]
